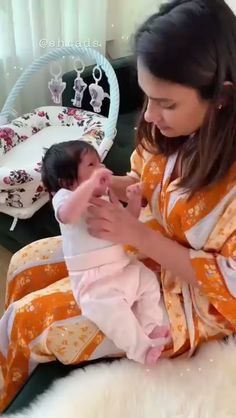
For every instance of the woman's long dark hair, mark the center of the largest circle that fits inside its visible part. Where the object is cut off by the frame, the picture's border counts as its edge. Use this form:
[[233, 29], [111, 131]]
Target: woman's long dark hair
[[193, 43]]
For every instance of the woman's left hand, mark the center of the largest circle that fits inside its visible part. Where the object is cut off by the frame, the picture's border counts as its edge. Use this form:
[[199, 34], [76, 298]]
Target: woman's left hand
[[112, 222]]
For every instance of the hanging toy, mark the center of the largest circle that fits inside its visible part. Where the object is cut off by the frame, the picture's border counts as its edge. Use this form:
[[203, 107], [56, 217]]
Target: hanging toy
[[97, 93], [56, 85], [79, 85]]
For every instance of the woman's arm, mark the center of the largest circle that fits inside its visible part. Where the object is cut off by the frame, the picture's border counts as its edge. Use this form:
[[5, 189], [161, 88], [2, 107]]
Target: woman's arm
[[119, 185], [169, 254], [214, 272], [114, 223]]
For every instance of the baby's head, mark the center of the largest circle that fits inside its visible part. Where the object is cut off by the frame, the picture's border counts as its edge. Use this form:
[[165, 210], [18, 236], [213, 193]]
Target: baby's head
[[67, 164]]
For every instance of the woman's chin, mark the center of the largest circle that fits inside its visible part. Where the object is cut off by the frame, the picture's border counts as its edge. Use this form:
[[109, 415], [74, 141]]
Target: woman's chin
[[168, 132]]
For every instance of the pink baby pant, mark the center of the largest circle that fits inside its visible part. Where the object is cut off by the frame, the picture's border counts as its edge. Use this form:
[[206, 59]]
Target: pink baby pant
[[121, 296]]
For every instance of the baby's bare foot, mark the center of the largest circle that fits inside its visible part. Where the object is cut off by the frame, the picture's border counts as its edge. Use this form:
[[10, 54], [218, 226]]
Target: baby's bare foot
[[160, 332], [153, 355]]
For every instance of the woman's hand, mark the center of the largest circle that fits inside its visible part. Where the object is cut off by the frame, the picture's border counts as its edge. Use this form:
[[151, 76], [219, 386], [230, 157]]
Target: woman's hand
[[112, 222]]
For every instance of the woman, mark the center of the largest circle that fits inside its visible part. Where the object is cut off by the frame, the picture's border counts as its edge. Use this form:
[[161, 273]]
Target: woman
[[185, 161]]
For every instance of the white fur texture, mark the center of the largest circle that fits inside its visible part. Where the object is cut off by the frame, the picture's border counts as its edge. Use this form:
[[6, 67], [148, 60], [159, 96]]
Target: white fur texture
[[201, 387]]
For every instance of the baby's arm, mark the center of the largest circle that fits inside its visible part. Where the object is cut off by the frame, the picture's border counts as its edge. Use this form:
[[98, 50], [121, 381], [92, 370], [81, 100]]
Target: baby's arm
[[73, 207], [134, 198]]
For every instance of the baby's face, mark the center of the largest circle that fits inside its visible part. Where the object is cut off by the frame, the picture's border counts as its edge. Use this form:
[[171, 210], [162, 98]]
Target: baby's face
[[90, 162]]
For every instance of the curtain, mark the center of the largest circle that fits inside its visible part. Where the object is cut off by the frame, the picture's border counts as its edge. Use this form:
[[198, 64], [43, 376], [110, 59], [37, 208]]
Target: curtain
[[232, 5], [30, 28]]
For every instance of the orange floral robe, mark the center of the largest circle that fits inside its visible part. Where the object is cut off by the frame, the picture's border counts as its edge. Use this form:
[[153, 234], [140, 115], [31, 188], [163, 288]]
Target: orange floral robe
[[43, 323]]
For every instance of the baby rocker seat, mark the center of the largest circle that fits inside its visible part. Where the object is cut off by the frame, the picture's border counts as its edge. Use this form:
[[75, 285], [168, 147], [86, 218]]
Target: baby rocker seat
[[23, 140]]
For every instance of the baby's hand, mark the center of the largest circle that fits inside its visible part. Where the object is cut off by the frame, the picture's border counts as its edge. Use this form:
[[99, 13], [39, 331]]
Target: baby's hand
[[134, 197], [101, 177], [134, 191]]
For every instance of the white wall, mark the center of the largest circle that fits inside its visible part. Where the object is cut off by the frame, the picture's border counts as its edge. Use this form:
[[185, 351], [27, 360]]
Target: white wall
[[232, 4], [123, 19], [124, 16]]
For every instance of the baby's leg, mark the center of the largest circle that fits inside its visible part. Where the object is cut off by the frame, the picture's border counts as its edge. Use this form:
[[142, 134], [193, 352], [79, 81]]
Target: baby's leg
[[147, 308], [112, 314]]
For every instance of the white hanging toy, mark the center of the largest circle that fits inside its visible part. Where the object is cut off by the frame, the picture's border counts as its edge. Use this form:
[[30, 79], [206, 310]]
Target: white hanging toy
[[97, 93], [23, 139], [79, 85], [56, 85]]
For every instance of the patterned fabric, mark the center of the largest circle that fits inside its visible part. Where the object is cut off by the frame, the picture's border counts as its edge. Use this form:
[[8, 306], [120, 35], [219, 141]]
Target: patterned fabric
[[22, 188], [206, 224], [43, 323]]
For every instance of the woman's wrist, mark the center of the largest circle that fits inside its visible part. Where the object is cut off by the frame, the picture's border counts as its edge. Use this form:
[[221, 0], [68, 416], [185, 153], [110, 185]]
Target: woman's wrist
[[168, 253], [119, 185], [140, 235]]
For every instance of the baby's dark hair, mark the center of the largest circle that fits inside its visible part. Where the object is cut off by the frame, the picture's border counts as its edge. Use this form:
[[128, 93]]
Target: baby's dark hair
[[60, 163]]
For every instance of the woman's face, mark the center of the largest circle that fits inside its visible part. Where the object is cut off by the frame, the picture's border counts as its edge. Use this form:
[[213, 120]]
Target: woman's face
[[176, 110]]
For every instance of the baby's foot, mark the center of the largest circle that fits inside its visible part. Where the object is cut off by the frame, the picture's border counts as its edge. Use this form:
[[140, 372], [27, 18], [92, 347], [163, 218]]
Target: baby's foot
[[153, 355], [160, 332]]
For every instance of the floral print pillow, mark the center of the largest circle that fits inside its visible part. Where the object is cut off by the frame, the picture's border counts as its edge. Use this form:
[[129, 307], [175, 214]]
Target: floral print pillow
[[16, 189]]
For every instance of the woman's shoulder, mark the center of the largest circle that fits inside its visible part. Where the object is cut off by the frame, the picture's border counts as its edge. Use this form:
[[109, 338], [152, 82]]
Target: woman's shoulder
[[143, 160], [227, 185], [231, 174], [223, 189], [213, 199]]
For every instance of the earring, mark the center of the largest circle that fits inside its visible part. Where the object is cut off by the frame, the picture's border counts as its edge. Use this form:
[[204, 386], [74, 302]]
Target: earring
[[56, 85], [220, 106], [79, 84]]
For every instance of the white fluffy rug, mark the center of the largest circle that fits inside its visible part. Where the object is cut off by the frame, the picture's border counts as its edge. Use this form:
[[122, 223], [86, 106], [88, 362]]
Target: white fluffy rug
[[201, 387]]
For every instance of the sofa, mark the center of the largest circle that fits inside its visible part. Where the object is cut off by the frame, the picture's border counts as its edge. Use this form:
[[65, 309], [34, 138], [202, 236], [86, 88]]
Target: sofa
[[43, 224]]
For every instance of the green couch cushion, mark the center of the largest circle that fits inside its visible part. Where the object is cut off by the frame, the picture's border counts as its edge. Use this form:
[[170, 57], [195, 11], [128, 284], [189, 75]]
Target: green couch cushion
[[118, 158], [39, 381], [43, 376]]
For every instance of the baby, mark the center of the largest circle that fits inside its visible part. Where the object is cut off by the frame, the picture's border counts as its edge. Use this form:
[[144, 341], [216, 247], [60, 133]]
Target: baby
[[118, 293]]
